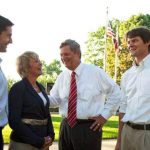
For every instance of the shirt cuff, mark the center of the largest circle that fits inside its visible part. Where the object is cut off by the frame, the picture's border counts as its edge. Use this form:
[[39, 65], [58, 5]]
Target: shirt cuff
[[122, 110], [106, 115]]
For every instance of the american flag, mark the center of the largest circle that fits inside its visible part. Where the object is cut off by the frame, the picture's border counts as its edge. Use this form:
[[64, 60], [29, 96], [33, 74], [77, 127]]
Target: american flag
[[110, 31], [112, 34]]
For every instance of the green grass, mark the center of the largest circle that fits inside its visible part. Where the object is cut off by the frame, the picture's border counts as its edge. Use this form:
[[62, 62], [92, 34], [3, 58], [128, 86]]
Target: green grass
[[109, 130]]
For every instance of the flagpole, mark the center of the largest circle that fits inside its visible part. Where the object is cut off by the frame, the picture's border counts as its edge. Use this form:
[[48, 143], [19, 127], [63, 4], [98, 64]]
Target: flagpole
[[116, 65], [105, 50], [116, 55]]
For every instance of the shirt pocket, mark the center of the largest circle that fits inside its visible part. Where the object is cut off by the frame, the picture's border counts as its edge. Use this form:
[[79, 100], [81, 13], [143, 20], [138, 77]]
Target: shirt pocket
[[88, 92], [145, 85], [144, 82], [64, 92]]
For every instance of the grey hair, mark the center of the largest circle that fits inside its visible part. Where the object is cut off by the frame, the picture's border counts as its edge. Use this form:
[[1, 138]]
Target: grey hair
[[23, 63], [74, 46]]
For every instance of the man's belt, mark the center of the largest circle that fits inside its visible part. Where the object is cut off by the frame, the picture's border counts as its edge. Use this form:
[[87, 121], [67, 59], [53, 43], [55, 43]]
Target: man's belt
[[82, 120], [139, 126], [35, 122], [85, 121]]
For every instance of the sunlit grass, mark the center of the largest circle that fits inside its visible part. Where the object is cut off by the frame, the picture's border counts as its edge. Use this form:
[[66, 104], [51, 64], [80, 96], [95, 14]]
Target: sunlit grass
[[109, 130]]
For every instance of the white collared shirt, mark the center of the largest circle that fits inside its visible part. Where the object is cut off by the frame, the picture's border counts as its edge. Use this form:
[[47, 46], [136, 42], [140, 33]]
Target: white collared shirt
[[43, 98], [135, 87], [3, 99], [93, 86]]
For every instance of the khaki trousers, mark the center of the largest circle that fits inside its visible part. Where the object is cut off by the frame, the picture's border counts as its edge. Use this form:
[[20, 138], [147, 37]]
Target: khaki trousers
[[22, 146], [133, 139]]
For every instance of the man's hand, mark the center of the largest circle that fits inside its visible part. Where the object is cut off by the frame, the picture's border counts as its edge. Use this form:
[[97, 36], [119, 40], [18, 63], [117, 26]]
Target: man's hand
[[99, 122], [48, 142]]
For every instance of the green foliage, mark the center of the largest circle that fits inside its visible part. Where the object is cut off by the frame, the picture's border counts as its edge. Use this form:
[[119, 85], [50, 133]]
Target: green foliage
[[53, 68], [96, 45], [50, 72], [95, 48], [110, 129], [10, 82]]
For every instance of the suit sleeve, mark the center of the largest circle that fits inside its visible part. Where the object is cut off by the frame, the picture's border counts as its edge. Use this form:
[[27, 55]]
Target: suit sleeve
[[50, 128]]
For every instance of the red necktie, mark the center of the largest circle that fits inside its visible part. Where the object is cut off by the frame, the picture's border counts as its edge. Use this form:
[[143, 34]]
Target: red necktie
[[72, 102]]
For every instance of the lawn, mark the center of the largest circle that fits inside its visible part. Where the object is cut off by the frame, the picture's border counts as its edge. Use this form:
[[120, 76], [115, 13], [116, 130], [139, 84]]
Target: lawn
[[109, 130]]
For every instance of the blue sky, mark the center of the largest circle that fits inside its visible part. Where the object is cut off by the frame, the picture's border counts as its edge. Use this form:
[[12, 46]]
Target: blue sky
[[41, 25]]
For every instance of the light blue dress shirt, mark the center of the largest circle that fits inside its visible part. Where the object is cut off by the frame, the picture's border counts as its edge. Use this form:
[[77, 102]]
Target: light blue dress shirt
[[3, 99]]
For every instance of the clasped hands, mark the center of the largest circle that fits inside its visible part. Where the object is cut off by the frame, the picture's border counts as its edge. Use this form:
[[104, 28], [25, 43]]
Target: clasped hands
[[47, 142], [98, 123]]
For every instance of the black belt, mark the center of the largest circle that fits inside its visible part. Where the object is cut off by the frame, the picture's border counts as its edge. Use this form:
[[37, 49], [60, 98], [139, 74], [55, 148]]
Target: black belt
[[139, 126], [82, 120], [85, 120]]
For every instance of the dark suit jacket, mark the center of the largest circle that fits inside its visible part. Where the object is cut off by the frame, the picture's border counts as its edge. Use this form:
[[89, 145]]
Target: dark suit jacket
[[24, 102]]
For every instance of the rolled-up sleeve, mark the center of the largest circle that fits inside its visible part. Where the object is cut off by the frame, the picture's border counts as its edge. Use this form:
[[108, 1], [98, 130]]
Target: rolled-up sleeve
[[123, 102], [113, 95], [54, 97]]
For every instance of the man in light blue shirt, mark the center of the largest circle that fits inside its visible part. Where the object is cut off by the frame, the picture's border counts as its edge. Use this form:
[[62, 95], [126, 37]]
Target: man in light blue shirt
[[5, 39]]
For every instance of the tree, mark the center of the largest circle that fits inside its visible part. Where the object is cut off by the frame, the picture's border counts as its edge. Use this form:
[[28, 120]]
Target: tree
[[50, 72], [96, 45]]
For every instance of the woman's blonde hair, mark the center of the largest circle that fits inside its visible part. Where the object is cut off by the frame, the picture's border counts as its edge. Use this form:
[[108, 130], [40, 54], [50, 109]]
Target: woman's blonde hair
[[23, 63]]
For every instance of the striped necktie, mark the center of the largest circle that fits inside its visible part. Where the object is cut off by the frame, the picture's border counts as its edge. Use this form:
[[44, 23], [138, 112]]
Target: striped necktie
[[72, 102]]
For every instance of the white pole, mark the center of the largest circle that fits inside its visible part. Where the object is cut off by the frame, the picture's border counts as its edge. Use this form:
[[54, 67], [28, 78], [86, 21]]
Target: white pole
[[116, 55], [105, 49], [116, 65]]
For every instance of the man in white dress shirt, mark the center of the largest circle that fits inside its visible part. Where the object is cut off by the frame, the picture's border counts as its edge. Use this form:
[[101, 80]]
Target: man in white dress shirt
[[5, 39], [134, 128], [93, 87]]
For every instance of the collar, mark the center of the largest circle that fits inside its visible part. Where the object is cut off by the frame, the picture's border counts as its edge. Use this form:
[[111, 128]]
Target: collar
[[145, 61], [77, 70]]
